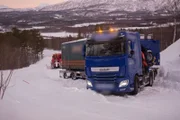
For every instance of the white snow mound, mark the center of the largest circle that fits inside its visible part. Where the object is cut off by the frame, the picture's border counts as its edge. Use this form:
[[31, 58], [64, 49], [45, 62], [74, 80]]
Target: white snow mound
[[170, 67], [172, 53]]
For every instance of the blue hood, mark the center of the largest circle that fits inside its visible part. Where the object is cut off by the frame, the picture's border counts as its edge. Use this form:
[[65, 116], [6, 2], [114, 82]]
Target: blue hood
[[108, 61]]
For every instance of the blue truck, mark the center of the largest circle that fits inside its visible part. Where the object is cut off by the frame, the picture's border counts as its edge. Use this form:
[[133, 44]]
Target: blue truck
[[113, 61]]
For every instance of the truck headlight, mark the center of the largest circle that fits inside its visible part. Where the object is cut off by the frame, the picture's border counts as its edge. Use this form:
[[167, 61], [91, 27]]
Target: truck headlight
[[89, 84], [124, 83]]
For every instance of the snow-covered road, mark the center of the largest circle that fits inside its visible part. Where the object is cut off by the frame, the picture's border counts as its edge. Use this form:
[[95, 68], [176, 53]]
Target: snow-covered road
[[37, 93]]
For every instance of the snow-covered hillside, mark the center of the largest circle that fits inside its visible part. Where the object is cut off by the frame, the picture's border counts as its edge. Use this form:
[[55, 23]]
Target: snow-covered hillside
[[98, 7], [42, 5], [37, 93], [107, 5], [4, 8], [8, 9]]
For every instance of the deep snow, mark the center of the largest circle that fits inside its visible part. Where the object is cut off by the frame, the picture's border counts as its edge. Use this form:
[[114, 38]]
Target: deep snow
[[37, 93]]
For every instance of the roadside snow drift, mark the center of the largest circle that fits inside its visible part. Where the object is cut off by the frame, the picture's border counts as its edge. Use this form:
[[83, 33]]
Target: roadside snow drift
[[172, 53], [170, 62], [37, 93]]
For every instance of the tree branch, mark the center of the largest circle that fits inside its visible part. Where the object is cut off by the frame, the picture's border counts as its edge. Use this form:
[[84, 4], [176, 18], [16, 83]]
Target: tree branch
[[5, 85]]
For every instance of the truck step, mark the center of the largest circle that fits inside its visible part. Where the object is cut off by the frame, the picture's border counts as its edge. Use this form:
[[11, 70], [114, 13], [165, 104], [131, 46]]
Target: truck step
[[140, 79], [146, 77], [143, 84]]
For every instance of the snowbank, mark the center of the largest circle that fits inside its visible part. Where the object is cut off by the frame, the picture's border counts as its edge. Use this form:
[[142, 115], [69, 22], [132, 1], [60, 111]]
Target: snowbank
[[172, 53], [170, 59], [170, 67]]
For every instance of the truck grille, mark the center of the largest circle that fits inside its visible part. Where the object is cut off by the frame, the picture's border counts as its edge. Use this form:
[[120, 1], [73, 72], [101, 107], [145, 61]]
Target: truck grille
[[105, 77]]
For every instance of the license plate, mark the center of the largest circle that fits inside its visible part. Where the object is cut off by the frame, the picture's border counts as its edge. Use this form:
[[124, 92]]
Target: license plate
[[104, 86]]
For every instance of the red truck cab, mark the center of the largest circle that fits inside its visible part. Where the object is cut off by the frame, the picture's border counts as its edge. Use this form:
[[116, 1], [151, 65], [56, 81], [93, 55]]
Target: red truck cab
[[56, 60]]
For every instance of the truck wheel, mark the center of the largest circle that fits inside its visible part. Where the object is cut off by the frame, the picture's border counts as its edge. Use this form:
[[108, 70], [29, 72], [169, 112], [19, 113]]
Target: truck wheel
[[151, 79], [136, 86], [155, 73], [65, 75], [149, 57], [73, 76]]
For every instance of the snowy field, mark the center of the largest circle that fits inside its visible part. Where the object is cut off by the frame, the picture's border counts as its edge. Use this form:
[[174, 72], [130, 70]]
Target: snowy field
[[58, 34], [37, 93], [149, 27], [34, 27], [87, 24], [39, 27]]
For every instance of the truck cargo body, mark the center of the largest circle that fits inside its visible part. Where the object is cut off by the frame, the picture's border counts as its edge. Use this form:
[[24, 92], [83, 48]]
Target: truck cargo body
[[72, 59]]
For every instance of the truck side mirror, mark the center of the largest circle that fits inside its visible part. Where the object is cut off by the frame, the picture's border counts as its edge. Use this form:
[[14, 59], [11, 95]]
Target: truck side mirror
[[131, 48]]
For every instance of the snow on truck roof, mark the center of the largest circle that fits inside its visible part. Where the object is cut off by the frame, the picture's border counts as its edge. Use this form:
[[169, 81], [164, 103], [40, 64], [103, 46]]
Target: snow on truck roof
[[79, 40]]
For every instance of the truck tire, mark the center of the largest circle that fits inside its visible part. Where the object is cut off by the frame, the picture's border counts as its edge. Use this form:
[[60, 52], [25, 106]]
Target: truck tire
[[149, 57], [151, 79], [65, 75], [73, 76], [136, 86], [155, 73]]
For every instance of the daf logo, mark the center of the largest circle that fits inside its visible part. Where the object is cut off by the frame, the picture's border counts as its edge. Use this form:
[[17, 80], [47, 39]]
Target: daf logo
[[104, 69]]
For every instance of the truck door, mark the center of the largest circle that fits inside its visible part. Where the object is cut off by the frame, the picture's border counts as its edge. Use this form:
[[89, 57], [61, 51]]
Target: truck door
[[131, 52]]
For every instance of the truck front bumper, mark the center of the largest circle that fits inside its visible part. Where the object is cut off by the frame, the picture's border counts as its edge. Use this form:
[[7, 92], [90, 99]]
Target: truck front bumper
[[118, 86]]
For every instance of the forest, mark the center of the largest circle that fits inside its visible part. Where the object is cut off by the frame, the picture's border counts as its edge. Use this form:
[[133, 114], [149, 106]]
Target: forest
[[20, 48]]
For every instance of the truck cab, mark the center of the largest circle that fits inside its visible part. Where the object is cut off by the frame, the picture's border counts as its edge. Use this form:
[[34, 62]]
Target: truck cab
[[113, 62]]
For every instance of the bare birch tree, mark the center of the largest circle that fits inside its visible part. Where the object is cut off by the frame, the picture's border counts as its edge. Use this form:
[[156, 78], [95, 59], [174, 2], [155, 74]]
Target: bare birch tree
[[4, 82], [173, 8]]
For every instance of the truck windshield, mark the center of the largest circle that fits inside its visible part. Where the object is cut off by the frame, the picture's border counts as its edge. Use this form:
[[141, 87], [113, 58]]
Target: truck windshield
[[108, 48]]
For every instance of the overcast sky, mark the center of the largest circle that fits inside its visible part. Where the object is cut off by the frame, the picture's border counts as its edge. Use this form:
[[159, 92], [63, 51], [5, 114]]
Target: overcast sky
[[26, 3]]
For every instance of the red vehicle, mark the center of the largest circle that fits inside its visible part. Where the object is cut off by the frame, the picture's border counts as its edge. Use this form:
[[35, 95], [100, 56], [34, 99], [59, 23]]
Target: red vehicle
[[56, 60]]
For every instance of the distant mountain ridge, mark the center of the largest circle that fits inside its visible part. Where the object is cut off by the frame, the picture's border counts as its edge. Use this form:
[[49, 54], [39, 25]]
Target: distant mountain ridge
[[105, 5], [4, 8], [108, 5]]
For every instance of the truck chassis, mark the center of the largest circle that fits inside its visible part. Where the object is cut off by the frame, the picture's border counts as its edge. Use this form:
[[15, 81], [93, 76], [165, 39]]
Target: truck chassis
[[73, 74]]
